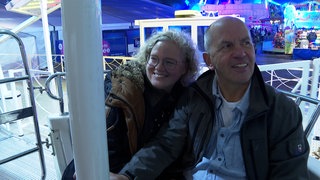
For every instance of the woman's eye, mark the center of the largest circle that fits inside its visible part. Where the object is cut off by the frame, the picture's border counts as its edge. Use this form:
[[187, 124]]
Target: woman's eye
[[153, 59], [170, 62]]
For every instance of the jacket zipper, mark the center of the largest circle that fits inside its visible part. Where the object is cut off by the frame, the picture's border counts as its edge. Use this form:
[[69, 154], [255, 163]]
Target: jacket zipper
[[205, 138]]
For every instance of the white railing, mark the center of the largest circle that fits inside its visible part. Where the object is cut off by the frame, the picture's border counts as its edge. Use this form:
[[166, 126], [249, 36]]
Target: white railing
[[298, 73], [307, 80], [315, 87]]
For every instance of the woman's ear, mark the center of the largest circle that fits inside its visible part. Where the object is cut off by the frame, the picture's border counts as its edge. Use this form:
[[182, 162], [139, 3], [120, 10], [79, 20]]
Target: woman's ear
[[207, 60]]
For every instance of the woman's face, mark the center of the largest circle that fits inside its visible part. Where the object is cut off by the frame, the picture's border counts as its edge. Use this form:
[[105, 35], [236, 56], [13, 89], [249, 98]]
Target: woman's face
[[165, 65]]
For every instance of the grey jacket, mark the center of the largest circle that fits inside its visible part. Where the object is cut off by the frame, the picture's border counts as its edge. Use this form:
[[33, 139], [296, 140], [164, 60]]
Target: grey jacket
[[273, 142]]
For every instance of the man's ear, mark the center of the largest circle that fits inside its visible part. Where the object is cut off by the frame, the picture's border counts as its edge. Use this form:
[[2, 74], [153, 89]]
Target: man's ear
[[207, 60]]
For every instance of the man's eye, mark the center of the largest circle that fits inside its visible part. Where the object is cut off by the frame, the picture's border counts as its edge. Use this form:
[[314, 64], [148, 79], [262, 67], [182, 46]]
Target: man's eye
[[226, 46], [247, 43]]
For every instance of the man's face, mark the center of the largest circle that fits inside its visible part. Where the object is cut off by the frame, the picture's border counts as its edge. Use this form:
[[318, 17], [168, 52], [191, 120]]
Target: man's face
[[232, 54]]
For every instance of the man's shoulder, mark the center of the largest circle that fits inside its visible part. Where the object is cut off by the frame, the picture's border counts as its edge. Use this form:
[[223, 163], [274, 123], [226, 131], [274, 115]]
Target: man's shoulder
[[204, 80]]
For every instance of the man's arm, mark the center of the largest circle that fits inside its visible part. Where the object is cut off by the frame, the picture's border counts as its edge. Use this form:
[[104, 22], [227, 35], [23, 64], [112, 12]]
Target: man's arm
[[153, 158], [289, 155]]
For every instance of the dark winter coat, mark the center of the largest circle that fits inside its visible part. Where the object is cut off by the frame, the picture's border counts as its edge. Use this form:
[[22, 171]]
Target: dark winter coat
[[273, 142], [135, 112]]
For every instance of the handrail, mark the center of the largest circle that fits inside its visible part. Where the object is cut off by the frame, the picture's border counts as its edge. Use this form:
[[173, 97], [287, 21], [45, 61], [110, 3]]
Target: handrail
[[59, 86], [314, 116], [33, 105], [58, 97], [303, 66]]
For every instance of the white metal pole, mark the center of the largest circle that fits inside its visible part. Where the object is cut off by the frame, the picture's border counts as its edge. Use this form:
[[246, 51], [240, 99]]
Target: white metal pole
[[46, 34], [47, 46], [83, 54]]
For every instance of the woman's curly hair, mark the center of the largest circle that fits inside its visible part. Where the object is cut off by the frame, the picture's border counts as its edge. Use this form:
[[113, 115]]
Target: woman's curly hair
[[184, 42]]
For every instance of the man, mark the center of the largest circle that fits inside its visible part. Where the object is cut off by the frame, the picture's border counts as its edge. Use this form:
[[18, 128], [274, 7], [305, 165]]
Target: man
[[230, 124]]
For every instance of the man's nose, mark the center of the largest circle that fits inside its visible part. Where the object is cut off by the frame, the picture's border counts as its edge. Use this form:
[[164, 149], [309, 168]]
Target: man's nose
[[240, 51]]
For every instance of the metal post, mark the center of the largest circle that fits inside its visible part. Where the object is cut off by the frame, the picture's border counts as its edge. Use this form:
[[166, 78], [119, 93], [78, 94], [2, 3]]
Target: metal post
[[82, 36], [47, 43]]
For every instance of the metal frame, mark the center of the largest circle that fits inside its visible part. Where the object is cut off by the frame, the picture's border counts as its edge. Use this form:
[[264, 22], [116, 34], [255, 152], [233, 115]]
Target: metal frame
[[315, 113], [24, 112]]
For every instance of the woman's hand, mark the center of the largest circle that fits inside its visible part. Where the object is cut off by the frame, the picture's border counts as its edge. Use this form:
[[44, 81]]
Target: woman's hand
[[113, 176]]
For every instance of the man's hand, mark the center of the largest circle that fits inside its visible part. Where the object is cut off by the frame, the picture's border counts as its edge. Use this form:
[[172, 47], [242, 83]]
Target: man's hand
[[114, 176]]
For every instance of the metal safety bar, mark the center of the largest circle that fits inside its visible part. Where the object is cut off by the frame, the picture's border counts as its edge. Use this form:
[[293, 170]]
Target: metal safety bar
[[315, 114], [58, 76], [24, 112]]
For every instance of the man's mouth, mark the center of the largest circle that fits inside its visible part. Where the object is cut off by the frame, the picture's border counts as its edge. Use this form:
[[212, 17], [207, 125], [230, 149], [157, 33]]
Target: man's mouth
[[241, 65]]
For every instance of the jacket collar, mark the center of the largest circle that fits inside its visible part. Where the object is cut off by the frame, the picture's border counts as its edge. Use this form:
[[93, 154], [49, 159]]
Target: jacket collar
[[257, 105], [259, 101]]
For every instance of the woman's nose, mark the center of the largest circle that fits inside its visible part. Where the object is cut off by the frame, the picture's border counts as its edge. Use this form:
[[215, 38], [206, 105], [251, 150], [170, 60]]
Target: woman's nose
[[160, 65]]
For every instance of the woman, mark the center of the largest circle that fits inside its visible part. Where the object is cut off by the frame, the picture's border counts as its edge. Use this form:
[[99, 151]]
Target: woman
[[144, 91]]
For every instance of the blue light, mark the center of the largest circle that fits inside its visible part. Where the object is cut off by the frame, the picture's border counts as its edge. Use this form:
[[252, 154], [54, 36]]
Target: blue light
[[196, 7]]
